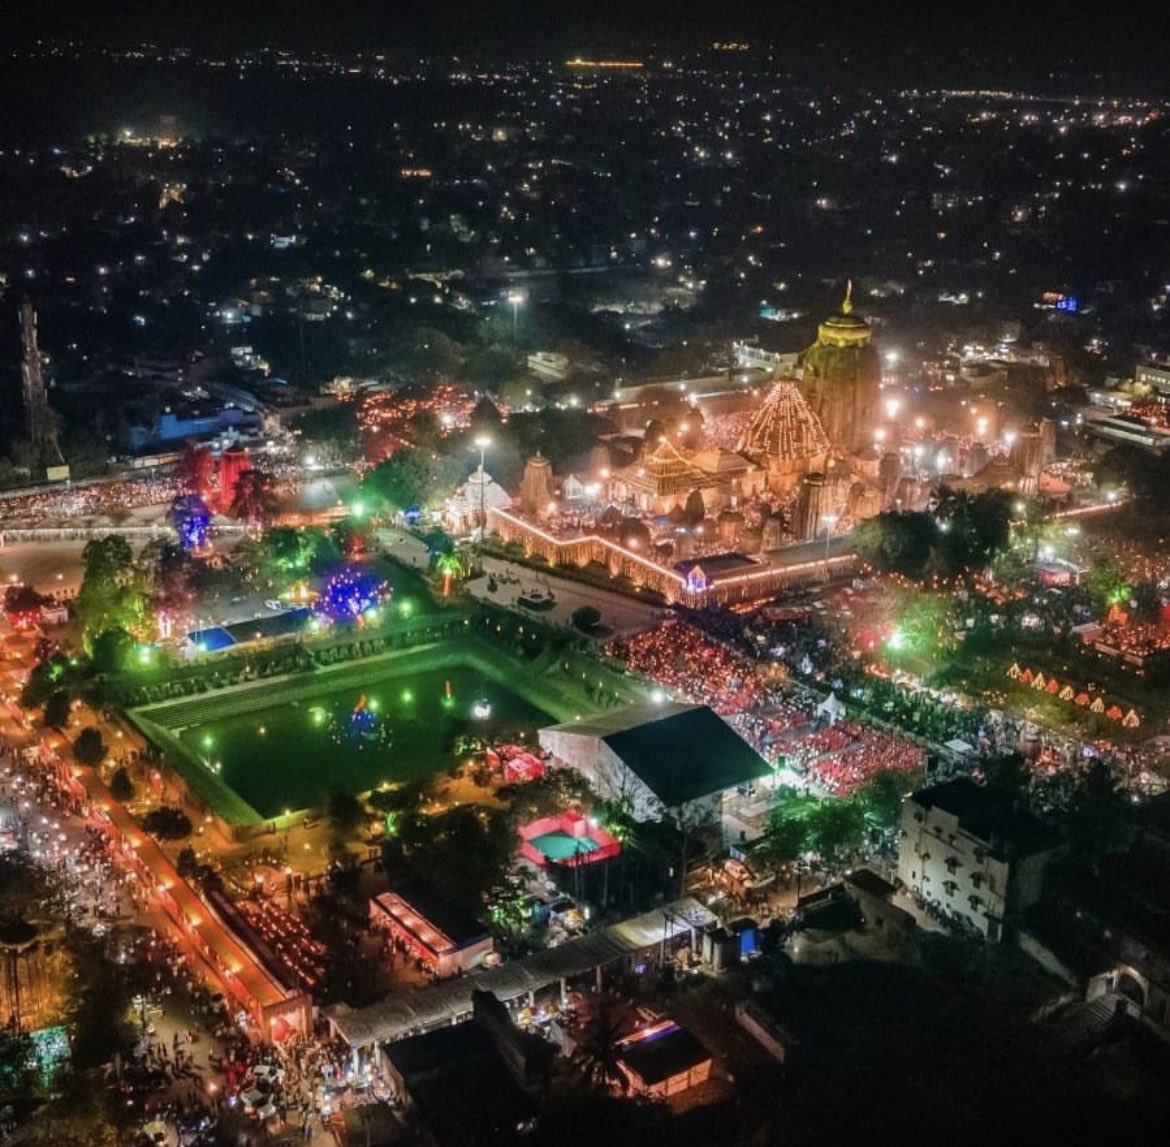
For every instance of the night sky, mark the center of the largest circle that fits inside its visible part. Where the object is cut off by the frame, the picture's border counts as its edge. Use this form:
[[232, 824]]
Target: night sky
[[1031, 35]]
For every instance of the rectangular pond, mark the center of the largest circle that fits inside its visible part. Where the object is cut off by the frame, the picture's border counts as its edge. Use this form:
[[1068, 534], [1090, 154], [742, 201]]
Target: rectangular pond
[[395, 727]]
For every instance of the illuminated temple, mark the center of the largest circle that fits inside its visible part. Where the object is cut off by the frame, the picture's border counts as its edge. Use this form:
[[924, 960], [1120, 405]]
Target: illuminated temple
[[841, 379], [785, 437], [663, 480]]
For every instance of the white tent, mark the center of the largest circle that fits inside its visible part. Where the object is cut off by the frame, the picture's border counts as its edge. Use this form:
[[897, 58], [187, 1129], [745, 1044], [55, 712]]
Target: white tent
[[960, 748], [831, 708]]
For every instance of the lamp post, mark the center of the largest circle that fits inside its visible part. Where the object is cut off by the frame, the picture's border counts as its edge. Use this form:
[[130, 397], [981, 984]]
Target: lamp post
[[483, 442], [830, 521], [515, 298]]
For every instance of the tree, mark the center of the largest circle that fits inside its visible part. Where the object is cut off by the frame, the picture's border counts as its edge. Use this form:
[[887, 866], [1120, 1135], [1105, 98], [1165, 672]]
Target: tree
[[121, 787], [786, 837], [89, 748], [113, 594], [22, 599], [449, 566], [112, 650], [597, 1056], [1146, 599], [881, 798], [896, 542], [1106, 583], [57, 709], [835, 827], [46, 678], [345, 810], [254, 500], [167, 823], [586, 618], [412, 477], [196, 468]]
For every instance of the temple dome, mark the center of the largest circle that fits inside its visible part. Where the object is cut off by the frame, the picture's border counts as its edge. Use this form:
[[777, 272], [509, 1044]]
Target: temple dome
[[844, 329]]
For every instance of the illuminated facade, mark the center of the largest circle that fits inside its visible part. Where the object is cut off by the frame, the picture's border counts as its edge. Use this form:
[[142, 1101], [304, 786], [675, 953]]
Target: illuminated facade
[[786, 437], [755, 580], [841, 379]]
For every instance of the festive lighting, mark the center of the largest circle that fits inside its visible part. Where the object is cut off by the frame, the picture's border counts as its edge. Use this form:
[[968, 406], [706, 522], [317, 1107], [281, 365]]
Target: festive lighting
[[350, 594]]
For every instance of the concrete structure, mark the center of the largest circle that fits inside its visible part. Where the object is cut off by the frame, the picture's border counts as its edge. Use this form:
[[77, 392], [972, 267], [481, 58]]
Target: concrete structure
[[668, 760], [841, 379], [663, 480], [789, 568], [786, 438], [536, 487], [969, 851], [663, 1059], [425, 923], [470, 1084], [474, 501], [650, 940], [549, 364]]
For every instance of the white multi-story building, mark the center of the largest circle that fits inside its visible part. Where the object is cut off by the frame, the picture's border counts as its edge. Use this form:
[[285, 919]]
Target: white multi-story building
[[969, 850]]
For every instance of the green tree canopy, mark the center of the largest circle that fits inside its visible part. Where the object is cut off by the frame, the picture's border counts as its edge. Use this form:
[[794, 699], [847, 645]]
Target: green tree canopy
[[89, 748], [113, 593], [57, 709], [167, 823], [412, 477]]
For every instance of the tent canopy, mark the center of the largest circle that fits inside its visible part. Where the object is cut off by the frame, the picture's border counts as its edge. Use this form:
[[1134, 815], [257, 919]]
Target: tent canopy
[[832, 707]]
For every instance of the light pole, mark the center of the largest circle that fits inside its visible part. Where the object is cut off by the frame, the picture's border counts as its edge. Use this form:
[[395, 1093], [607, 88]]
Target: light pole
[[483, 442], [830, 521], [515, 298]]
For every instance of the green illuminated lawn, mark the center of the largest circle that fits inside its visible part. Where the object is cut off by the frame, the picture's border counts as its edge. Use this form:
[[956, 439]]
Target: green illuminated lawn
[[291, 754]]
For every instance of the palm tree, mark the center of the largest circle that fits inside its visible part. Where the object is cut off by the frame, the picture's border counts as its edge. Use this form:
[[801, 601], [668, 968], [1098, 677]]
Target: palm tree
[[449, 565], [597, 1057], [254, 498]]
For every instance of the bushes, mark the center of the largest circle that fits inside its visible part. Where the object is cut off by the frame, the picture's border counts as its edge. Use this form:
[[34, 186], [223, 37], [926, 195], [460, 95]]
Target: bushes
[[167, 823], [121, 787], [89, 748]]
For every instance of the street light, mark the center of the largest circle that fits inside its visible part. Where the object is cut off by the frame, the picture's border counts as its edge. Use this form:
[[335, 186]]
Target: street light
[[515, 298], [483, 441], [830, 521]]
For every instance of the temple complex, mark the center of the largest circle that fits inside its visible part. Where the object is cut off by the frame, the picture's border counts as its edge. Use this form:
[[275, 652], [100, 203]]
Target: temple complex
[[841, 379]]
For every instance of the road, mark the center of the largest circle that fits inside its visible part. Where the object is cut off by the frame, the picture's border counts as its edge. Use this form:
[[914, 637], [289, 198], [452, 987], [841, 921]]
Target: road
[[619, 613]]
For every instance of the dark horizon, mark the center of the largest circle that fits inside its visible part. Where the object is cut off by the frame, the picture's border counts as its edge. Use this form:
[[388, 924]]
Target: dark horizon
[[1105, 43]]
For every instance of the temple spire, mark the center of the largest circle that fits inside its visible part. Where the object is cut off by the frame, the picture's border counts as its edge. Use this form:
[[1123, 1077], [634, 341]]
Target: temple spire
[[847, 305]]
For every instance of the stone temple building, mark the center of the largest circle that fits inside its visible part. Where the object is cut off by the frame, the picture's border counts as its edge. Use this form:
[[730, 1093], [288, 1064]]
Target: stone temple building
[[786, 438], [841, 379]]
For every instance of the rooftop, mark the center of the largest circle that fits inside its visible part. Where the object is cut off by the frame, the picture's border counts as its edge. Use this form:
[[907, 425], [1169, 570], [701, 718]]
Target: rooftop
[[990, 814], [661, 1052], [680, 752]]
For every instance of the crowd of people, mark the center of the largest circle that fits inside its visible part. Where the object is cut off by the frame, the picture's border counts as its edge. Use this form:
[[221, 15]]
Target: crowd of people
[[841, 758], [70, 505], [778, 718]]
